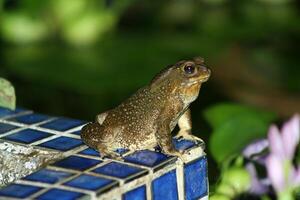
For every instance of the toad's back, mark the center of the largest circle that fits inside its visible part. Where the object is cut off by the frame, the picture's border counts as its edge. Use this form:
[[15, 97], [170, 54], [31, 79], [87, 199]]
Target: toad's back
[[134, 121]]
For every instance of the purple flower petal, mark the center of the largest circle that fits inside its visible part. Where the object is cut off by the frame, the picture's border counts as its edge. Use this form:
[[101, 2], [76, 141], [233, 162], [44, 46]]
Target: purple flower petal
[[295, 177], [255, 148], [290, 136], [275, 142], [258, 187], [275, 170]]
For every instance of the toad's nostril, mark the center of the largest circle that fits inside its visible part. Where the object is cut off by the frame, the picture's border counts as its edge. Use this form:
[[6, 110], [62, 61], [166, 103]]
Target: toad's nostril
[[204, 69]]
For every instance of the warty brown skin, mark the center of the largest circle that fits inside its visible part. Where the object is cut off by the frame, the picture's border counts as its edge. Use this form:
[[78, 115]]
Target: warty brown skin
[[147, 118]]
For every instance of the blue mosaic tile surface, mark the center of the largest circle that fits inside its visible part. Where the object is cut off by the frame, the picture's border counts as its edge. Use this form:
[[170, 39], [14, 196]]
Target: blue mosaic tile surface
[[183, 144], [195, 174], [77, 163], [89, 151], [19, 191], [62, 124], [62, 143], [89, 182], [59, 194], [165, 187], [83, 174], [136, 194], [4, 128], [118, 170], [147, 158], [30, 118], [27, 136], [48, 176]]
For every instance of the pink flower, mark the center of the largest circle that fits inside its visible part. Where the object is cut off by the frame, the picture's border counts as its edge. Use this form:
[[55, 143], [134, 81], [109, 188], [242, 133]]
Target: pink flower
[[255, 151], [279, 163], [281, 172], [258, 186]]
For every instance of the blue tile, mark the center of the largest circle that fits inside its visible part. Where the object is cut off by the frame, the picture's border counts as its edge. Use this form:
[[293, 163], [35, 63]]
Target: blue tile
[[90, 152], [136, 194], [30, 118], [195, 179], [121, 151], [62, 143], [63, 124], [18, 190], [165, 187], [6, 127], [27, 136], [146, 158], [182, 144], [93, 152], [77, 163], [59, 194], [88, 182], [118, 170], [4, 112], [48, 176]]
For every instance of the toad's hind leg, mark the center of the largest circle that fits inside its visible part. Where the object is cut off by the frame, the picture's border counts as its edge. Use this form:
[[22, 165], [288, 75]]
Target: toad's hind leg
[[93, 135], [185, 126], [106, 151]]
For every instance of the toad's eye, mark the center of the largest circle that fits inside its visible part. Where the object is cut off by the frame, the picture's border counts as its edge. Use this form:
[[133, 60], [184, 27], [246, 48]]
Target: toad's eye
[[189, 69]]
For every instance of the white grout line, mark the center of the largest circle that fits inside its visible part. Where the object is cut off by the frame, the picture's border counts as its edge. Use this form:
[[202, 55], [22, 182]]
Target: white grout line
[[52, 167], [55, 132], [204, 198], [11, 132], [149, 187], [25, 112], [44, 140], [180, 180], [78, 128], [133, 164]]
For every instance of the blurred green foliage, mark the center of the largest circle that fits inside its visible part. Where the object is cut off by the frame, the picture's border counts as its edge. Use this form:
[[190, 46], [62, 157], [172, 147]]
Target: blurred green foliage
[[79, 22], [235, 126]]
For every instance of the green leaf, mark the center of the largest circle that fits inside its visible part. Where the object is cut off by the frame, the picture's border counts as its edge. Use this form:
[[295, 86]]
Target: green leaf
[[219, 114], [7, 94], [235, 126]]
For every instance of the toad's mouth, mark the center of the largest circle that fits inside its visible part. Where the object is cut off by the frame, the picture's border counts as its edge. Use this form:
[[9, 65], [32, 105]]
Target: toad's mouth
[[204, 78], [200, 79]]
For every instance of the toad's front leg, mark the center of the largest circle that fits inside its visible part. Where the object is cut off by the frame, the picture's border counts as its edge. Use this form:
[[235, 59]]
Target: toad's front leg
[[164, 138], [185, 127]]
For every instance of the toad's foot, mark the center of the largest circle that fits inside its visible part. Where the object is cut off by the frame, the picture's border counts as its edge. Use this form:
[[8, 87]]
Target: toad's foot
[[113, 156], [179, 154], [188, 136], [108, 153]]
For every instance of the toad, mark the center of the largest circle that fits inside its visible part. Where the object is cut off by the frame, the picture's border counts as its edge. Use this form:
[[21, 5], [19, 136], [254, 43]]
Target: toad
[[147, 118]]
